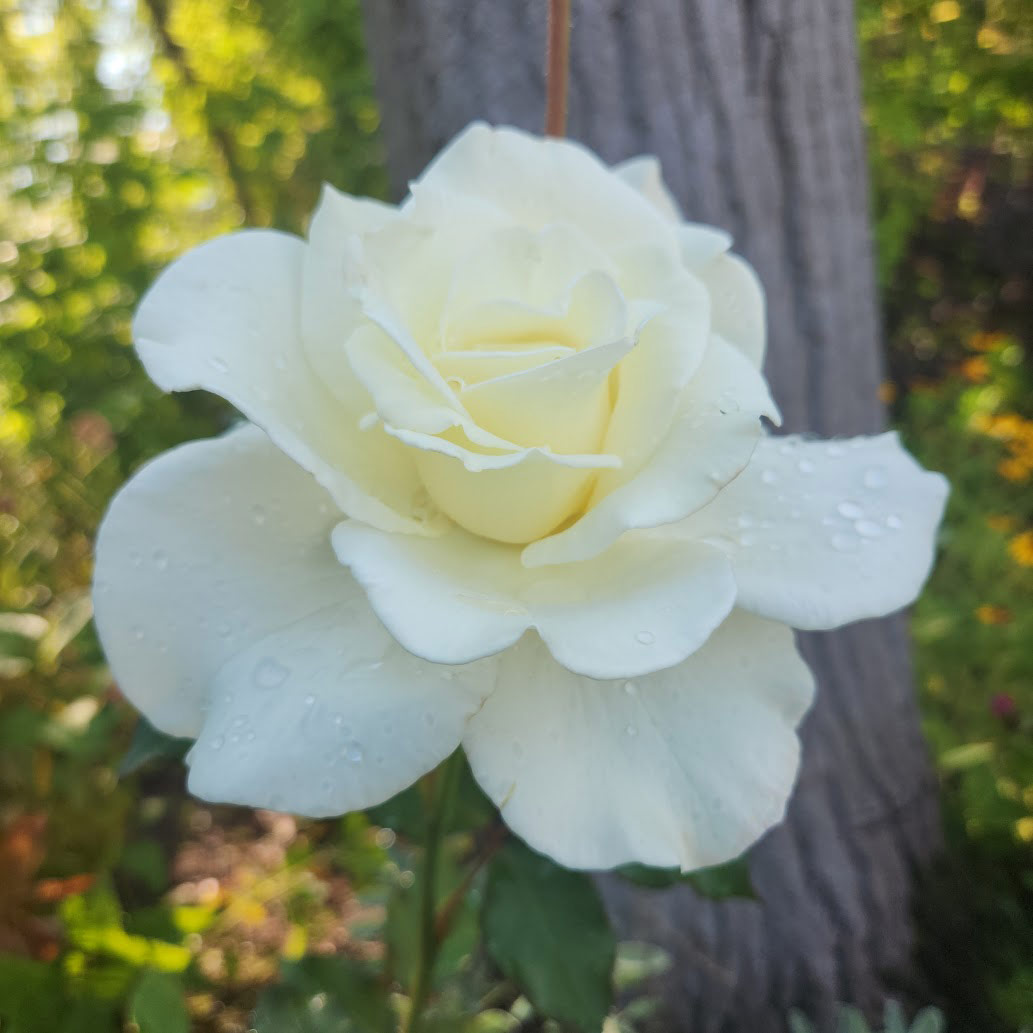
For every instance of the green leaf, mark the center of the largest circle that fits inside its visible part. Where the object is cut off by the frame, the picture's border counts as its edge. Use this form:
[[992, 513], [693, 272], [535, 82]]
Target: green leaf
[[929, 1020], [721, 882], [325, 995], [852, 1021], [799, 1023], [893, 1018], [637, 962], [724, 881], [148, 745], [157, 1004], [547, 930]]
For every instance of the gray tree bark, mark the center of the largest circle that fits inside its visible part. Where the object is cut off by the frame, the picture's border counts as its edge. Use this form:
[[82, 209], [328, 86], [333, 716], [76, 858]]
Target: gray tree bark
[[753, 108]]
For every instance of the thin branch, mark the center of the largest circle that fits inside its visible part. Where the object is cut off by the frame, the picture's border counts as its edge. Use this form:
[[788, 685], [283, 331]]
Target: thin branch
[[557, 68]]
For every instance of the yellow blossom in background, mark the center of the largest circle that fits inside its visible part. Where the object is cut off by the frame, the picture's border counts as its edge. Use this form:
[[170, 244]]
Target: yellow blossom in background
[[1024, 829], [1000, 522], [1021, 548], [987, 614]]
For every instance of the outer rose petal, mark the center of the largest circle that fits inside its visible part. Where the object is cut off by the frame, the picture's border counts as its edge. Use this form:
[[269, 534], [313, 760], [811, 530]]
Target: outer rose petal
[[737, 307], [222, 608], [639, 607], [545, 181], [685, 767], [710, 441], [824, 533], [225, 317]]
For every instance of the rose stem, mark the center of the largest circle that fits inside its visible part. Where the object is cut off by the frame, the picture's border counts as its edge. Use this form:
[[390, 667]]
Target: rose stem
[[557, 68], [446, 781]]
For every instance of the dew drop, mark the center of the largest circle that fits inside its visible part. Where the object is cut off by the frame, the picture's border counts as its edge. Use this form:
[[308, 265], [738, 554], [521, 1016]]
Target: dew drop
[[161, 559], [218, 363], [769, 477], [630, 688], [646, 638], [744, 520], [746, 540], [867, 528], [217, 742], [631, 731], [138, 633], [834, 451], [874, 477], [258, 515], [805, 466], [850, 510], [270, 673], [224, 630], [310, 700], [893, 522], [353, 753]]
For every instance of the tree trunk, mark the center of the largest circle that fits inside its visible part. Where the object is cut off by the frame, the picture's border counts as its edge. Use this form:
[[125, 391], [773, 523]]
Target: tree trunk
[[753, 108]]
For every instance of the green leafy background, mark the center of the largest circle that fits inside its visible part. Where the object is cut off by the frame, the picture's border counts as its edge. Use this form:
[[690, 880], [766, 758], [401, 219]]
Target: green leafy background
[[129, 132]]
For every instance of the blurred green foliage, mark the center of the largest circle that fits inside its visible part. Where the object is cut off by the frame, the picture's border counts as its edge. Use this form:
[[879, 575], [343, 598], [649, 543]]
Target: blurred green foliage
[[128, 133]]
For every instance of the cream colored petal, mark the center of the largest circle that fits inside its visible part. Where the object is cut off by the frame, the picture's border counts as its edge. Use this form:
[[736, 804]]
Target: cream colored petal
[[683, 768], [711, 439], [226, 317], [737, 305], [638, 607], [822, 533]]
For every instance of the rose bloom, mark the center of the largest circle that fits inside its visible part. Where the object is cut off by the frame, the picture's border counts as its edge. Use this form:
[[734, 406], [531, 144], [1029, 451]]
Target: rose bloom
[[503, 482]]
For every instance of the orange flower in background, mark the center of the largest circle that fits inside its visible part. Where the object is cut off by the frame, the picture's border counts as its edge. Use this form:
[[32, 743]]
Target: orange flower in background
[[987, 614], [976, 370], [1021, 549]]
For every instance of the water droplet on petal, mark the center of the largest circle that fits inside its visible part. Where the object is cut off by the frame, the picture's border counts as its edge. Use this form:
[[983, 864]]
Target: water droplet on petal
[[631, 731], [353, 753], [893, 522], [138, 633], [161, 559], [805, 466], [217, 742], [746, 540], [310, 700], [630, 688], [258, 515], [646, 638], [834, 450], [867, 528], [218, 363], [270, 673], [850, 510], [769, 477], [875, 477]]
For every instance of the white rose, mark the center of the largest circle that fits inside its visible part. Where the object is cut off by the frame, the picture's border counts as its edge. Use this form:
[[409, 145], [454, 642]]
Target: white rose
[[504, 484]]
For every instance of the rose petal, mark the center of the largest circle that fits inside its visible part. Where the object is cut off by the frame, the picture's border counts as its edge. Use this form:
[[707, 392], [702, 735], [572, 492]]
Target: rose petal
[[824, 533], [221, 609], [638, 607], [544, 181], [711, 440], [686, 767], [563, 405], [352, 721], [737, 304], [225, 317]]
